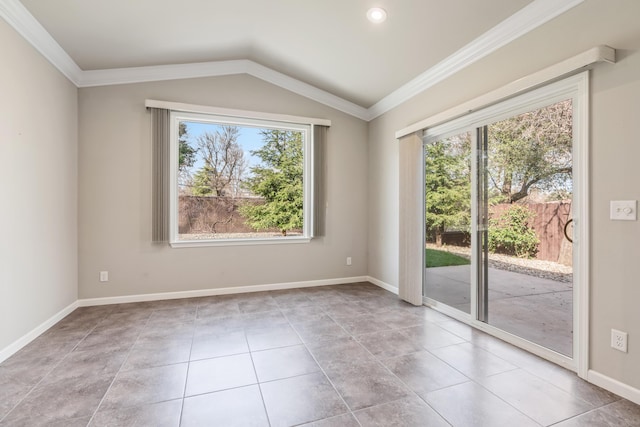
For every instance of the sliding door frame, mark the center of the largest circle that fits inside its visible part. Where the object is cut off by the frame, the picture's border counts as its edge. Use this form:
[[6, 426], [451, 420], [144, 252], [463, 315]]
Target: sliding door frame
[[576, 89]]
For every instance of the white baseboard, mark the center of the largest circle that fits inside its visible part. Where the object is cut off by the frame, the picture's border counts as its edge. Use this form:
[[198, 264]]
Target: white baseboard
[[14, 347], [614, 386], [383, 285], [217, 291]]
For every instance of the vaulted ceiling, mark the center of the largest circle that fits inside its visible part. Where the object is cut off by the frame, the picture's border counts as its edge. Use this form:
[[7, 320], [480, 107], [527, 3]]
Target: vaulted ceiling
[[327, 45]]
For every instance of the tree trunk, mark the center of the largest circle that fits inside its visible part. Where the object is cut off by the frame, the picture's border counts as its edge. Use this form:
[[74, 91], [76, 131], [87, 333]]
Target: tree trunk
[[506, 185], [439, 236]]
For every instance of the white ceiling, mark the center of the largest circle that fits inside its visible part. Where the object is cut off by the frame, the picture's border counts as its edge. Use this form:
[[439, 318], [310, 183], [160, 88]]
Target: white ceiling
[[328, 44]]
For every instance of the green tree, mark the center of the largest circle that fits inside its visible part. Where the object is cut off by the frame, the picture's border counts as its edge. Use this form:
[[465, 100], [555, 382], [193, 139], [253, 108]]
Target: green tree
[[278, 180], [186, 159], [186, 153], [531, 150], [448, 185], [201, 182]]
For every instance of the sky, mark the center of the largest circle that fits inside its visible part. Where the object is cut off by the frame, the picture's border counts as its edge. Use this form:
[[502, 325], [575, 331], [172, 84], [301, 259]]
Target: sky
[[249, 139]]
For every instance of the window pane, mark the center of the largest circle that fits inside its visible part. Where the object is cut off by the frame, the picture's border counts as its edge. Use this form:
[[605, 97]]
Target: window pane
[[448, 221], [239, 182], [528, 263]]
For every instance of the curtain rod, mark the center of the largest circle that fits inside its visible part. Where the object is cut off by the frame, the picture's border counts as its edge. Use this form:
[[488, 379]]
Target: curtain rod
[[191, 108]]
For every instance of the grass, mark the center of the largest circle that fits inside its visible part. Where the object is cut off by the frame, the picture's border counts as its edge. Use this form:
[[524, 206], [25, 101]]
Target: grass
[[437, 258]]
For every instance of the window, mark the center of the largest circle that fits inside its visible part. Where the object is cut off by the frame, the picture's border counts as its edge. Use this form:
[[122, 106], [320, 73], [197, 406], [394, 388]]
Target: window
[[240, 180]]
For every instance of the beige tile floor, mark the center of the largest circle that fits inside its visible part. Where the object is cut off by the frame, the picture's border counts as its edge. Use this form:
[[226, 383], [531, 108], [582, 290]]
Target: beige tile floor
[[347, 355]]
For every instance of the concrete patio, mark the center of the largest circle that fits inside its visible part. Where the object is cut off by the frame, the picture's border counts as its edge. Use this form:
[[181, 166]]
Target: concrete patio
[[539, 310]]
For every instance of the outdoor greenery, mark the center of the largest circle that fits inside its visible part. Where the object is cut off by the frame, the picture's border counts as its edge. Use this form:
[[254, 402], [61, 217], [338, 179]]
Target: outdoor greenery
[[278, 180], [448, 185], [436, 258], [510, 233], [526, 152], [187, 154], [531, 150], [214, 172]]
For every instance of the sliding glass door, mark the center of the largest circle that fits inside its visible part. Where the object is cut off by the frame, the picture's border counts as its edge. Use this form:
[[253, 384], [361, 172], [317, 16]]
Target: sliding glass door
[[526, 192], [499, 206]]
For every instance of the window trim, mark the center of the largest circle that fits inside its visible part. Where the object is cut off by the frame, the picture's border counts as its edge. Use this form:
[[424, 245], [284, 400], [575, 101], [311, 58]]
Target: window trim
[[179, 111]]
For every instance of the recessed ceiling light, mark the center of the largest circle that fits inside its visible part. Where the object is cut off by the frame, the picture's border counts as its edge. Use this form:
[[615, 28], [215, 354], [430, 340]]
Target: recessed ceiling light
[[376, 15]]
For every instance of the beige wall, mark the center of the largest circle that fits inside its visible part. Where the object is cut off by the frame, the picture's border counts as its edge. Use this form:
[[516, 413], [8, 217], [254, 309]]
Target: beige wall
[[615, 248], [115, 195], [45, 264], [38, 181], [614, 151]]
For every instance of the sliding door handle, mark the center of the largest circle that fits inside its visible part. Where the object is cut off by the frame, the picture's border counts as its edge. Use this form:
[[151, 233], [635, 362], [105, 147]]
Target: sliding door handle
[[566, 226]]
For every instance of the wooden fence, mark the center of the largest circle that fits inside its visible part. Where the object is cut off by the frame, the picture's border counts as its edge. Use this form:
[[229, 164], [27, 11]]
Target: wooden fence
[[212, 215], [548, 223]]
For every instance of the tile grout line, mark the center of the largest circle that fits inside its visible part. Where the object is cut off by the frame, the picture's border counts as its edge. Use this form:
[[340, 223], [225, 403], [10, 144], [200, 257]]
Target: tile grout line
[[379, 362], [584, 413], [476, 382], [186, 377], [321, 368], [255, 372], [350, 411], [406, 385], [120, 369], [53, 367], [281, 307], [539, 377]]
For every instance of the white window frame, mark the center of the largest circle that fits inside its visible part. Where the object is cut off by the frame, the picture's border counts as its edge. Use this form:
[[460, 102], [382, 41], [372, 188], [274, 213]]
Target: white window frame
[[219, 116]]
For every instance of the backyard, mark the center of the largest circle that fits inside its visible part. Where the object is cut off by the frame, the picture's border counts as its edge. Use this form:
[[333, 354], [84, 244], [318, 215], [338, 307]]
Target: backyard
[[449, 255], [529, 298]]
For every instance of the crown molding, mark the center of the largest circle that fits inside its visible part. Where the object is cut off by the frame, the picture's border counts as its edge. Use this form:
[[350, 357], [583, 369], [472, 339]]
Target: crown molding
[[117, 76], [216, 69], [527, 19], [28, 27], [307, 90]]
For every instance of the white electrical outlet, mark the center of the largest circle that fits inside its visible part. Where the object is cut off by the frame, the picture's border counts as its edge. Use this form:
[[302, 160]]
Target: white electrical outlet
[[619, 340], [348, 260], [104, 276]]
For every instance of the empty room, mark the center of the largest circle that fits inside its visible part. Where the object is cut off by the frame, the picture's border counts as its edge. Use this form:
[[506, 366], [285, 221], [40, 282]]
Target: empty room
[[322, 213]]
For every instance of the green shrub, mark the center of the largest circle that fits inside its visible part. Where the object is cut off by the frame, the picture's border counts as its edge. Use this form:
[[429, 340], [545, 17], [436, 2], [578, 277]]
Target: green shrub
[[509, 233]]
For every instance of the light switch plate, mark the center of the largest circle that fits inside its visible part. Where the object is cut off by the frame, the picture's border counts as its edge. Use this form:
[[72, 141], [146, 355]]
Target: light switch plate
[[624, 210]]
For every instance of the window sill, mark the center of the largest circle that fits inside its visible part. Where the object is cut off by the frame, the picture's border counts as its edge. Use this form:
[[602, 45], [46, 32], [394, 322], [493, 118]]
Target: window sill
[[238, 242]]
